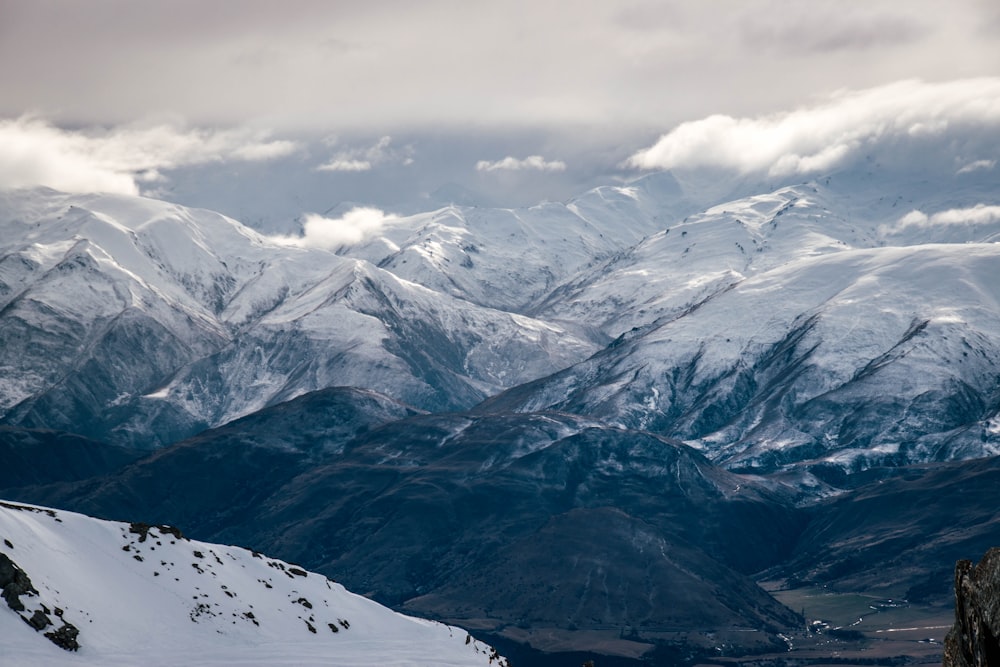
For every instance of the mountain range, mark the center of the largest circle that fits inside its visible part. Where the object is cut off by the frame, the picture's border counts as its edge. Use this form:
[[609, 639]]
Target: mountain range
[[581, 428]]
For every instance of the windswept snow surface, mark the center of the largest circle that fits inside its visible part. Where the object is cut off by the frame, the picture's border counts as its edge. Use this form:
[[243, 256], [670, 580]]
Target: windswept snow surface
[[159, 599]]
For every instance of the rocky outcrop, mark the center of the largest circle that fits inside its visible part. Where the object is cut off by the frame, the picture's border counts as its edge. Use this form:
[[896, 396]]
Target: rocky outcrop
[[975, 639], [14, 583]]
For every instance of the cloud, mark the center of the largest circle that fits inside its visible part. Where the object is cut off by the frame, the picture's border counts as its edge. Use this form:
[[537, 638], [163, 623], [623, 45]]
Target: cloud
[[391, 67], [819, 137], [365, 158], [345, 164], [980, 214], [826, 27], [356, 225], [118, 160], [532, 162], [977, 165]]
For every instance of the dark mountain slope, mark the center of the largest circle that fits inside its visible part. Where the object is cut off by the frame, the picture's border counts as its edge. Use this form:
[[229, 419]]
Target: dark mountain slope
[[438, 514], [901, 535], [31, 456]]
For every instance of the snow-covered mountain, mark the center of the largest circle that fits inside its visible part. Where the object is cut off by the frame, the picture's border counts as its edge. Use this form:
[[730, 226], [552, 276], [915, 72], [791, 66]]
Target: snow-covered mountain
[[882, 356], [80, 591], [799, 326], [512, 258], [848, 320], [801, 333], [143, 322]]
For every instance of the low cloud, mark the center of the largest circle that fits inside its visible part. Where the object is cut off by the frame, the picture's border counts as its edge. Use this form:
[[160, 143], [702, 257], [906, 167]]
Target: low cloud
[[532, 162], [978, 165], [980, 214], [345, 164], [820, 137], [118, 160], [356, 225], [366, 157]]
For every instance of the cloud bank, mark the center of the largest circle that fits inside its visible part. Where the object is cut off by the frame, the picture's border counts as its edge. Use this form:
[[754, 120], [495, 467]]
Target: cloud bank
[[977, 165], [118, 160], [356, 225], [819, 137], [981, 214], [393, 67], [532, 163], [364, 158]]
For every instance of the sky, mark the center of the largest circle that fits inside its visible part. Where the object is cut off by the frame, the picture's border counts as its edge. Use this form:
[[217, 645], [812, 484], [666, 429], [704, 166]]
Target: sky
[[269, 110]]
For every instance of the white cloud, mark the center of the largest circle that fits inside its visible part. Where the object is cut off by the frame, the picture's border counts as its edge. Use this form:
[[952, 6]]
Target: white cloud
[[532, 162], [366, 157], [978, 165], [262, 151], [38, 153], [819, 137], [977, 215], [345, 164], [356, 225], [914, 218]]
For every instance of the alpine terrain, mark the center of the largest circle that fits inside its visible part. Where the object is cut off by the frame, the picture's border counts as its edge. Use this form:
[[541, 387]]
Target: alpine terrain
[[665, 422]]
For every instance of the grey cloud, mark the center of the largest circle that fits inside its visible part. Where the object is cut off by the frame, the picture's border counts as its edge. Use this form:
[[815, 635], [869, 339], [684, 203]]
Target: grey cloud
[[588, 82], [823, 27], [381, 66], [649, 15], [364, 158]]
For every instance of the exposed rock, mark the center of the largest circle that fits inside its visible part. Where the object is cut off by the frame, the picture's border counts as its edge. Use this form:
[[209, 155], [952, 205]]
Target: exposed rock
[[39, 620], [14, 583], [65, 637], [142, 530], [974, 641]]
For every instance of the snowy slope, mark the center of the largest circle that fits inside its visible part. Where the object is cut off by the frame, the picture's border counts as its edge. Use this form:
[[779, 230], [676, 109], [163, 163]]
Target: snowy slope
[[145, 595], [691, 259], [512, 258], [822, 323], [143, 322]]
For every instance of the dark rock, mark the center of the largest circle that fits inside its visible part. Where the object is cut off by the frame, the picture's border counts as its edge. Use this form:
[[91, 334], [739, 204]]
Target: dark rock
[[974, 641], [65, 637], [39, 621], [14, 583], [142, 530]]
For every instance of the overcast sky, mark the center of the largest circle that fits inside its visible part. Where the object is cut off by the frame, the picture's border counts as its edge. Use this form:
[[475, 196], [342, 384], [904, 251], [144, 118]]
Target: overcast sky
[[381, 101]]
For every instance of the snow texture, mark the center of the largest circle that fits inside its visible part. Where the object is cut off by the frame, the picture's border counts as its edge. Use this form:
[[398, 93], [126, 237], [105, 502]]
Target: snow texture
[[145, 595]]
